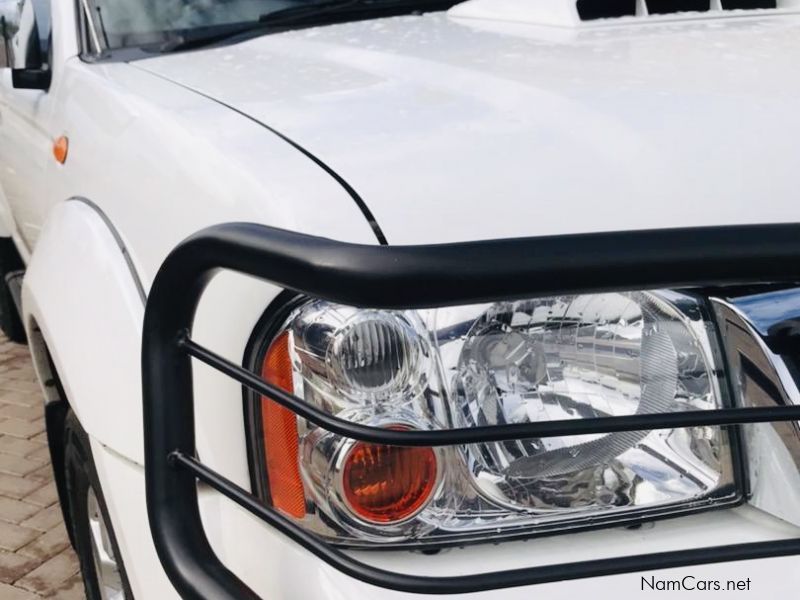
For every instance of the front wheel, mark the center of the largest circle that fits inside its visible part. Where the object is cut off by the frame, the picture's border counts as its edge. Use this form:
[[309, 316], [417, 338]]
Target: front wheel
[[95, 543], [10, 322]]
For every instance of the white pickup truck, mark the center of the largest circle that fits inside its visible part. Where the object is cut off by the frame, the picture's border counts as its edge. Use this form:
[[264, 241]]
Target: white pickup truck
[[388, 298]]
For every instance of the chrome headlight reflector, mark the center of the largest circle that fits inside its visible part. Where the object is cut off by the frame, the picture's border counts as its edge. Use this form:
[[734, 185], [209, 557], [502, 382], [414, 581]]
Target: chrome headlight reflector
[[561, 357]]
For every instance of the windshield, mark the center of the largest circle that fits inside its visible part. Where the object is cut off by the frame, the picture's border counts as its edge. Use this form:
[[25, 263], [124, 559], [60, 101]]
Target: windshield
[[165, 25]]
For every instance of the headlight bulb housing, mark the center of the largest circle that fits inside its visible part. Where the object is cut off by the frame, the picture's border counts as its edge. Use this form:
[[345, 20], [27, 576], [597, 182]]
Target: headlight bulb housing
[[561, 357]]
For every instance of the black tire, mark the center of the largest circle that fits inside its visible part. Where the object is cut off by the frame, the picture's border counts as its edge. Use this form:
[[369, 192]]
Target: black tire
[[81, 479], [10, 322]]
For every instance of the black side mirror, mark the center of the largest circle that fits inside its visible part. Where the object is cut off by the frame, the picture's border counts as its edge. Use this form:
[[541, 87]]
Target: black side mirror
[[31, 79], [23, 50]]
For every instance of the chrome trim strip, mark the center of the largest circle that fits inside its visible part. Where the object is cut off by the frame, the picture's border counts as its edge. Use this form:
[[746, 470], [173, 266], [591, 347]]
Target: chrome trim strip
[[734, 314], [120, 243]]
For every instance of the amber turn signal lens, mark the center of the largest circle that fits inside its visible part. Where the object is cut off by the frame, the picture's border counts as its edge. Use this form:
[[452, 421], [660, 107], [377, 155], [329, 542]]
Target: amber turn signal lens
[[279, 425], [385, 484], [61, 149]]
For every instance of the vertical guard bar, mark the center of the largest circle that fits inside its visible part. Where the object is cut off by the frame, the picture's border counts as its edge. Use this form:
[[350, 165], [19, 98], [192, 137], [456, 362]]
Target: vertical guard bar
[[172, 505]]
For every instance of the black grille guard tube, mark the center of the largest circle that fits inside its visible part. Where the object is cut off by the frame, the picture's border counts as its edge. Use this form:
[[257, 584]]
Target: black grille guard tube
[[416, 277]]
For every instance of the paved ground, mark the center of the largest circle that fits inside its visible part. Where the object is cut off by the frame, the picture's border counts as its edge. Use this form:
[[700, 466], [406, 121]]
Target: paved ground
[[35, 558]]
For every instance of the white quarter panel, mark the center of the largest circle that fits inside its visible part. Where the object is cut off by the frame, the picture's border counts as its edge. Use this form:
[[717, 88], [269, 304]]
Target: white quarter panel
[[462, 129]]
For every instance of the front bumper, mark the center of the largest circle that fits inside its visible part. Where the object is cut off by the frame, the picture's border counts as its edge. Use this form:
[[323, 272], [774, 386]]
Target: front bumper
[[411, 277]]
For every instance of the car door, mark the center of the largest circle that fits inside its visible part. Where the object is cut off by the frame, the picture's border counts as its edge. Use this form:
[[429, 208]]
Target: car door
[[25, 142]]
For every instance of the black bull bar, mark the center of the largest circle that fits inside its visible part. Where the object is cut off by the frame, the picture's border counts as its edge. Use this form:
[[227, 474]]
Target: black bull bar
[[410, 277]]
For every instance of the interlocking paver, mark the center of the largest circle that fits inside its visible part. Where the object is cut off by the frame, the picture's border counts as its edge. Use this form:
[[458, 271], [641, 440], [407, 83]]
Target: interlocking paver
[[20, 447], [43, 474], [17, 411], [41, 438], [18, 398], [17, 487], [36, 560], [8, 592], [45, 519], [43, 496], [13, 384], [16, 511], [71, 589], [42, 454], [21, 429], [16, 465], [14, 566], [13, 537], [50, 574], [47, 545]]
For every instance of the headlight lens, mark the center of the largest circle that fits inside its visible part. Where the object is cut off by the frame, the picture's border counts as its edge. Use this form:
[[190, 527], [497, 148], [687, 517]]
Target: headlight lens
[[565, 357]]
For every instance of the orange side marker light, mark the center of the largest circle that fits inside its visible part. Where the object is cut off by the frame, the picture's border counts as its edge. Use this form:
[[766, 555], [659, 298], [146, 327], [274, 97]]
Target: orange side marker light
[[61, 149], [281, 443]]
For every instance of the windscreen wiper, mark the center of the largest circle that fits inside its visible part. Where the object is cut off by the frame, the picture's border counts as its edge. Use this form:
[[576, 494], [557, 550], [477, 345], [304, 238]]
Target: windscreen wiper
[[293, 14], [192, 40], [322, 11], [307, 14]]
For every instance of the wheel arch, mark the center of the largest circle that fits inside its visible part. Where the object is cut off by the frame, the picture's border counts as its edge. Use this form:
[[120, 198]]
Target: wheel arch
[[83, 309]]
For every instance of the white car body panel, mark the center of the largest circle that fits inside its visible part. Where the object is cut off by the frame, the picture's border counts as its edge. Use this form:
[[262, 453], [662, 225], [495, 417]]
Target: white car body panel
[[450, 129]]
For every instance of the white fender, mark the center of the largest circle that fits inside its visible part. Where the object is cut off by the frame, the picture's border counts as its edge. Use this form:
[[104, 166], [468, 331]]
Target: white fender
[[82, 294]]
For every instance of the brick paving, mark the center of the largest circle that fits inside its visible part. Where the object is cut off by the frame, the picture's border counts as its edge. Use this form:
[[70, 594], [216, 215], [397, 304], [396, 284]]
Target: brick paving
[[36, 560]]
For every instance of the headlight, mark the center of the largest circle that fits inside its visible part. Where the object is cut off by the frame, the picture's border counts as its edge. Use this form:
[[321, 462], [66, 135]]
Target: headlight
[[565, 357]]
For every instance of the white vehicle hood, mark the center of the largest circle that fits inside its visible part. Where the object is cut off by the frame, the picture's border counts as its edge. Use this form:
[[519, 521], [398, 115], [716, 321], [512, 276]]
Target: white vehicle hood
[[454, 129]]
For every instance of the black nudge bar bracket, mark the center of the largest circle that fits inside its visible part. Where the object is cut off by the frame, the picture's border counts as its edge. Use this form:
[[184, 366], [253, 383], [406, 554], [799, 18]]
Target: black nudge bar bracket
[[417, 277]]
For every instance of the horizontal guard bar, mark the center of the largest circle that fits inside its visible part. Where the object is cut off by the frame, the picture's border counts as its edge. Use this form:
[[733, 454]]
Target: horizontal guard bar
[[492, 433], [420, 584], [408, 277]]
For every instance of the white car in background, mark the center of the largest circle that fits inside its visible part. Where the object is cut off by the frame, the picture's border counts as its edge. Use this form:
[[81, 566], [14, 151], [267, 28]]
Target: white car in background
[[552, 351]]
